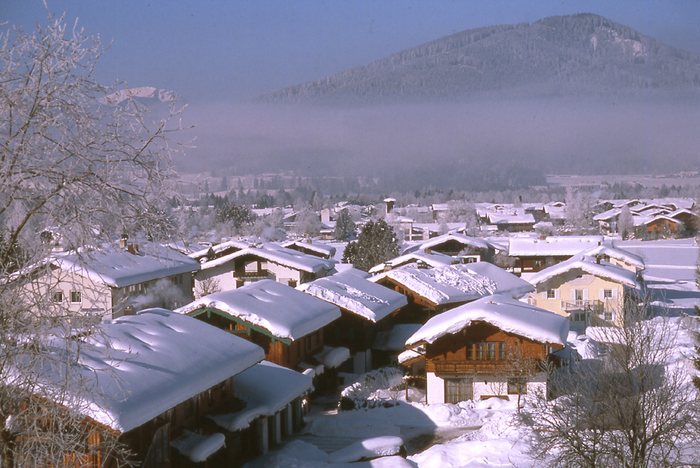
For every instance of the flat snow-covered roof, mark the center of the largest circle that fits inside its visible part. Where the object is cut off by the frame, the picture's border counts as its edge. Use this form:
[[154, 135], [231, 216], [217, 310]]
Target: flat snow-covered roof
[[280, 309], [356, 295], [501, 311], [139, 366], [117, 267], [266, 389], [557, 246]]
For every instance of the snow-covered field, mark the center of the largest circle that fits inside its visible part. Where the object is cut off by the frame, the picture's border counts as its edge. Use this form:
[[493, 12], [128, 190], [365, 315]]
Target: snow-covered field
[[468, 434]]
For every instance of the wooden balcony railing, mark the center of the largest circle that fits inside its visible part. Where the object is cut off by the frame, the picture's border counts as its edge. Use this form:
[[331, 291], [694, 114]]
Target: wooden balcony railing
[[581, 305], [467, 367]]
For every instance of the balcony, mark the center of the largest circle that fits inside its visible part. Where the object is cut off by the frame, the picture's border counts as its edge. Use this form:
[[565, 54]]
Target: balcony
[[467, 367], [594, 306]]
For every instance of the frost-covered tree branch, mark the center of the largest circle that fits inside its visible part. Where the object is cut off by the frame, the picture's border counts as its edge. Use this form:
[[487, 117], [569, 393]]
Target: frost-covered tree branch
[[80, 166]]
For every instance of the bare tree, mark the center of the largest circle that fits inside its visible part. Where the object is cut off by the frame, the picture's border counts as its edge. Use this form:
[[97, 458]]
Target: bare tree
[[522, 367], [79, 163], [627, 408], [625, 223], [206, 287]]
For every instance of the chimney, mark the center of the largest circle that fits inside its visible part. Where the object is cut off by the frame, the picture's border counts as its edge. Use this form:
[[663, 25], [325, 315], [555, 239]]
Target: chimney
[[389, 204], [325, 215]]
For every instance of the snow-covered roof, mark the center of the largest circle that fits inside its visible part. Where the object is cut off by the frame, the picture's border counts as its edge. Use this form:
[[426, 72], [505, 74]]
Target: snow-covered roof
[[510, 218], [506, 283], [220, 247], [607, 215], [468, 241], [138, 366], [556, 210], [556, 246], [581, 265], [501, 311], [668, 259], [280, 255], [280, 309], [433, 259], [639, 220], [616, 253], [444, 285], [325, 250], [680, 211], [116, 267], [266, 388], [356, 295]]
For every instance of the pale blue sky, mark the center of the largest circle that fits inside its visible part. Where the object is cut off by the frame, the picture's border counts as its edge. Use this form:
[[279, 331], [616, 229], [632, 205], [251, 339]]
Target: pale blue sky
[[207, 50]]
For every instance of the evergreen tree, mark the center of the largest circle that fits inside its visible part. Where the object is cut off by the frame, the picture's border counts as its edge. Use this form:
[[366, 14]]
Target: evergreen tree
[[235, 215], [344, 226], [376, 244]]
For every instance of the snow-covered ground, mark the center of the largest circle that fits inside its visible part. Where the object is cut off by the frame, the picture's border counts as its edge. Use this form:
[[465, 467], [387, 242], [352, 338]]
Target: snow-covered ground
[[467, 434]]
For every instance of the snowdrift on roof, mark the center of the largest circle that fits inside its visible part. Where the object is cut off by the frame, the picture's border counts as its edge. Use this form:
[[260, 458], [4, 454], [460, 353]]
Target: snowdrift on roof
[[356, 294], [282, 310], [139, 366], [118, 268], [501, 311]]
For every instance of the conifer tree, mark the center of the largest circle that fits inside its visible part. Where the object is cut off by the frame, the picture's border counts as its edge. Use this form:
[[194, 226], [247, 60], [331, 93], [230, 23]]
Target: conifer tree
[[376, 244], [344, 226]]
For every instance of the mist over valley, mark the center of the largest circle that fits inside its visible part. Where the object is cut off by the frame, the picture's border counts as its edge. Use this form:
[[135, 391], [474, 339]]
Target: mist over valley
[[493, 107]]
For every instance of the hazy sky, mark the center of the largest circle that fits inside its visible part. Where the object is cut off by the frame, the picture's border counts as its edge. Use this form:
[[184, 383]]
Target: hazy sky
[[209, 50]]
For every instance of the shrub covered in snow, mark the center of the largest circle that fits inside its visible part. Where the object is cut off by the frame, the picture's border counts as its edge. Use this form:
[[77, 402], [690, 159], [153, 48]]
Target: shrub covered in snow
[[370, 389]]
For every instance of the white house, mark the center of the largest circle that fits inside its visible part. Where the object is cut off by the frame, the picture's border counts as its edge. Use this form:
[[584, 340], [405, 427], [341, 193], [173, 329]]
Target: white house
[[112, 281]]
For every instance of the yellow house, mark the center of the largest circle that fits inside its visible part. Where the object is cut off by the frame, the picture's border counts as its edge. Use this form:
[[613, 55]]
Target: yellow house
[[588, 290]]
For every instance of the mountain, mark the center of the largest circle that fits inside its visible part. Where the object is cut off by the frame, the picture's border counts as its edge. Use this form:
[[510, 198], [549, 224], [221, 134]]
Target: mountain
[[577, 55]]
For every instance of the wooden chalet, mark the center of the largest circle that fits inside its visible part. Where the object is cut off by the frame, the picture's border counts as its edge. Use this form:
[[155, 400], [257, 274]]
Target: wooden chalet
[[268, 261], [533, 254], [366, 309], [151, 381], [465, 249], [288, 324], [492, 347], [308, 247]]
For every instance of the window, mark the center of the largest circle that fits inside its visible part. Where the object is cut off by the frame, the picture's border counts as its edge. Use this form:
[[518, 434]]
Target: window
[[551, 294], [486, 351], [57, 296], [75, 296], [517, 386], [457, 390], [578, 295], [491, 351], [480, 351], [607, 293]]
